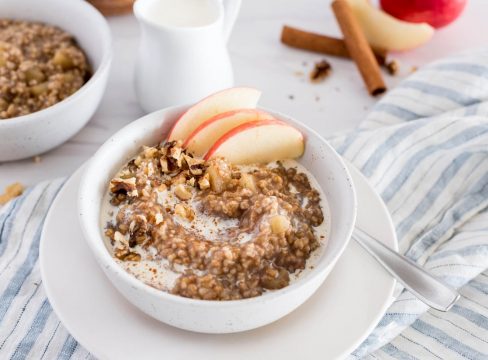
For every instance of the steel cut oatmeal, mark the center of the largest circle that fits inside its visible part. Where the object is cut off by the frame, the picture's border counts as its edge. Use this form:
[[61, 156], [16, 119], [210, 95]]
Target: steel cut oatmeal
[[40, 65], [209, 229]]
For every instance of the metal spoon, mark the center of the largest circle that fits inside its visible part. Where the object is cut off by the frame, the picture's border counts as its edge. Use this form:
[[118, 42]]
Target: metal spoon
[[419, 282]]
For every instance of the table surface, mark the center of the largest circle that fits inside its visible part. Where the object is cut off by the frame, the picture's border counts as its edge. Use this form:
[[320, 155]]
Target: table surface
[[260, 61]]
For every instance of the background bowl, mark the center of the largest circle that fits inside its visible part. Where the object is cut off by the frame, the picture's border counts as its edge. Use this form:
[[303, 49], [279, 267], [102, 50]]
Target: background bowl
[[214, 316], [32, 134]]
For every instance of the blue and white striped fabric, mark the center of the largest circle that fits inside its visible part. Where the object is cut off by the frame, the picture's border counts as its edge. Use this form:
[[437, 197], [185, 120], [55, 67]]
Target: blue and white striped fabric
[[424, 148], [29, 329]]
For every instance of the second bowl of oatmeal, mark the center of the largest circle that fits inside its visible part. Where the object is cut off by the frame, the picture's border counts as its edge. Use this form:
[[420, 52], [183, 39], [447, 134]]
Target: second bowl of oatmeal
[[55, 59], [205, 290]]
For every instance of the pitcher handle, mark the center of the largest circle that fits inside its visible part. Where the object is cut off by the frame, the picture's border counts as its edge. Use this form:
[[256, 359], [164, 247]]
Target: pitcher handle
[[231, 10]]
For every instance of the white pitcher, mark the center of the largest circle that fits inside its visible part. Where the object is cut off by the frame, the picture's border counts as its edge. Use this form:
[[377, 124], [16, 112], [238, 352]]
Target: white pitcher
[[182, 54]]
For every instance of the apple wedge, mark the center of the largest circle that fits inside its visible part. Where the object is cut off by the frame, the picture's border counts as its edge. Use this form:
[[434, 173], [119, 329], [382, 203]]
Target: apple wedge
[[384, 31], [223, 101], [259, 142], [205, 135]]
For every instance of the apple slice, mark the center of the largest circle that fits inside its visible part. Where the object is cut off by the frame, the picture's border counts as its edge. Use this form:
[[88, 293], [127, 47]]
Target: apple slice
[[384, 31], [225, 100], [259, 142], [205, 135]]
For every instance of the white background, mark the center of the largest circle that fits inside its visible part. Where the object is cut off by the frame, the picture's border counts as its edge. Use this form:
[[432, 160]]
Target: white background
[[261, 61]]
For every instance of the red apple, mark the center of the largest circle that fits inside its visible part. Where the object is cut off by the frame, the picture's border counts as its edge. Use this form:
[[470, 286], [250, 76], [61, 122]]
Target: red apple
[[259, 142], [437, 13]]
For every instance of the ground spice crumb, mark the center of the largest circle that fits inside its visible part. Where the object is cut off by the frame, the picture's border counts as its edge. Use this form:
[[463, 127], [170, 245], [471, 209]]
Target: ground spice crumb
[[11, 192], [291, 97], [392, 67], [320, 72], [299, 73], [413, 69], [37, 159]]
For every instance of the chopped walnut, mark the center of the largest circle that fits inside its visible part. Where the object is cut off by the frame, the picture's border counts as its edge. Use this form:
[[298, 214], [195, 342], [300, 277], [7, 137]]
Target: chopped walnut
[[120, 239], [204, 182], [164, 165], [320, 71], [124, 186], [184, 212], [175, 153], [149, 152], [195, 166], [11, 192], [127, 255], [393, 67], [182, 192]]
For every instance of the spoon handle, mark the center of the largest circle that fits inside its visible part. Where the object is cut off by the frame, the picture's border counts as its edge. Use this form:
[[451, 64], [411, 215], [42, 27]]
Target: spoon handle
[[419, 282]]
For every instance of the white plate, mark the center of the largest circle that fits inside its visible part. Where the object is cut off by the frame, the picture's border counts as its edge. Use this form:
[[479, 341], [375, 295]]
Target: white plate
[[335, 320]]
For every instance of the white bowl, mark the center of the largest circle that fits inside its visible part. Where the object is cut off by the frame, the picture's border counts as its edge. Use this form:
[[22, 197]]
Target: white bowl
[[214, 316], [32, 134]]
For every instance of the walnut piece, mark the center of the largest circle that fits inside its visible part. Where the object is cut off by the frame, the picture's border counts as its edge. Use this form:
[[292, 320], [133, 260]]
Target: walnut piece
[[182, 192], [125, 254], [124, 186], [204, 182], [392, 67], [11, 192], [320, 72], [184, 212], [195, 166]]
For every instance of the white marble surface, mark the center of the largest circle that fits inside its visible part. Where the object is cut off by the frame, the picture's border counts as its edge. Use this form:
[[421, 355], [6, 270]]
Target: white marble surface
[[259, 60]]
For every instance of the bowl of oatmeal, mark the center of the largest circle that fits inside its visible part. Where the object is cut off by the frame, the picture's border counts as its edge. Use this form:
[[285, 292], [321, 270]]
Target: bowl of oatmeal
[[55, 59], [208, 245]]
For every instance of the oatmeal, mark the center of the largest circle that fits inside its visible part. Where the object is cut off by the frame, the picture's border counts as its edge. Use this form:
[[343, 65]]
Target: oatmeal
[[40, 65], [209, 229]]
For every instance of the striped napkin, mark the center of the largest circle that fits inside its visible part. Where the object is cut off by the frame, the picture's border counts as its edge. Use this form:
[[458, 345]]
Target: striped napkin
[[424, 148]]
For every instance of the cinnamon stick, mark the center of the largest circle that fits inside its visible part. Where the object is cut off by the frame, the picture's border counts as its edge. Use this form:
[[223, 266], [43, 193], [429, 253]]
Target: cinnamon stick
[[358, 47], [113, 7], [321, 43]]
